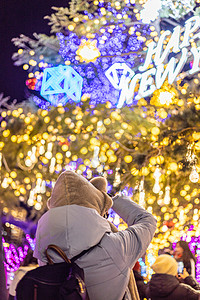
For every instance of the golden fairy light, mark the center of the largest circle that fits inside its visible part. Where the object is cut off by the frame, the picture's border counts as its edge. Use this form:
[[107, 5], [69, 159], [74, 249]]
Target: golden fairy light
[[88, 50]]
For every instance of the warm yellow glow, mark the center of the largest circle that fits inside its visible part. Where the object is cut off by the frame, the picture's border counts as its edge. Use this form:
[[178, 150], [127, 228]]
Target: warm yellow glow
[[173, 166], [88, 50], [20, 51], [71, 27], [128, 158]]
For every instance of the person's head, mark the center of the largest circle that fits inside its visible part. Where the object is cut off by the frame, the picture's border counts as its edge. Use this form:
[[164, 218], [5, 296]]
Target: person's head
[[72, 188], [165, 264], [178, 251], [182, 251]]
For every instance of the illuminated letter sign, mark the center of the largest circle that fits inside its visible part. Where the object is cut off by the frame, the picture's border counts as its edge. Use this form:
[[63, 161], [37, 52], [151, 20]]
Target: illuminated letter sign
[[59, 84], [153, 78]]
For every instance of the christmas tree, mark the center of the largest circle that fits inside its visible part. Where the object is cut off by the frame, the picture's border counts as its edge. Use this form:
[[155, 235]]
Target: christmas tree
[[129, 110]]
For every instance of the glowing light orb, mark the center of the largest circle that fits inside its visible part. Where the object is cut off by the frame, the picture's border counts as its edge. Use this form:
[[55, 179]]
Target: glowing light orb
[[165, 98], [88, 50], [150, 11]]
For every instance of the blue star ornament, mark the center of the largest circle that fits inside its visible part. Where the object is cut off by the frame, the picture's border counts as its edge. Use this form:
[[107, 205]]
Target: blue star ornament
[[59, 84]]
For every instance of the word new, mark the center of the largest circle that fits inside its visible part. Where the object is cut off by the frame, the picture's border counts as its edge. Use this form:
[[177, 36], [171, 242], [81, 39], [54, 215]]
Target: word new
[[125, 79]]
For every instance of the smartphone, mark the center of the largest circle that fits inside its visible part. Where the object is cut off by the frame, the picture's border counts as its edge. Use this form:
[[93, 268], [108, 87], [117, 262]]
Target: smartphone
[[180, 267]]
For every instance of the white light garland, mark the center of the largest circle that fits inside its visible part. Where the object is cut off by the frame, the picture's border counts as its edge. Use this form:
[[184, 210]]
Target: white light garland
[[142, 194], [95, 160], [167, 195], [156, 176], [194, 175], [117, 179]]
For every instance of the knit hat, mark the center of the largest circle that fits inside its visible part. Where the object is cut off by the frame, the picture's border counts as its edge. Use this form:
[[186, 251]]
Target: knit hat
[[165, 264], [72, 188]]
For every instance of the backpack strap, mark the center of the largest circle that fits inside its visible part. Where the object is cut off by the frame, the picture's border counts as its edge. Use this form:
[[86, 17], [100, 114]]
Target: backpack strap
[[59, 251], [63, 255], [82, 253]]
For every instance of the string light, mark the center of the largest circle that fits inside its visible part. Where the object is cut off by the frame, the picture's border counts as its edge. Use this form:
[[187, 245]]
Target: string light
[[156, 176], [117, 179], [194, 175], [48, 152], [95, 160], [13, 256], [142, 193], [88, 50], [167, 195]]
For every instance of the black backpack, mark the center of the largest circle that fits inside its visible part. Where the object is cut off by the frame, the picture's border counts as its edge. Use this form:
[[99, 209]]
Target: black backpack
[[60, 281]]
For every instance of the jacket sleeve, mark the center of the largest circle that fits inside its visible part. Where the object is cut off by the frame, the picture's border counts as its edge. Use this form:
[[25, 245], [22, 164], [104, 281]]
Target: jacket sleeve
[[191, 293], [133, 242], [189, 280], [141, 285]]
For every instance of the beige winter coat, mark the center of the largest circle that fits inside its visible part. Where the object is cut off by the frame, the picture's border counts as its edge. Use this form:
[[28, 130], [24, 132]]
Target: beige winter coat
[[75, 227]]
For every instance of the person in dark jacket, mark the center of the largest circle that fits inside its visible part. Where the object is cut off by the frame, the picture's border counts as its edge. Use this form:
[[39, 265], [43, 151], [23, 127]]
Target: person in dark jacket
[[141, 285], [165, 283]]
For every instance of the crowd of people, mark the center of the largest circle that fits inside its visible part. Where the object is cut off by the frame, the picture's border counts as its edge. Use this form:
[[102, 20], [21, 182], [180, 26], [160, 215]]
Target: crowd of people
[[76, 221], [169, 281]]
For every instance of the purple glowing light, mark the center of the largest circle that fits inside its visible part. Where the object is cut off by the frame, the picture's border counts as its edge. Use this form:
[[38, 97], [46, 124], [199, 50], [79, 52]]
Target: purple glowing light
[[30, 241], [13, 256]]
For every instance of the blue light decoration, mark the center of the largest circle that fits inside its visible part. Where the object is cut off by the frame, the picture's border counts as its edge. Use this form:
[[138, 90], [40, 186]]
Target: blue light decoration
[[120, 75], [41, 103], [59, 84], [117, 44], [120, 40]]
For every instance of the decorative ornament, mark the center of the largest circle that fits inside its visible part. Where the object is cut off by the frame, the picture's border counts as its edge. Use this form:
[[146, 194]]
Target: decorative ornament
[[30, 83], [88, 51], [120, 76], [31, 241], [142, 193], [156, 176], [194, 175], [60, 84], [13, 256], [95, 160], [190, 156], [160, 200], [192, 160], [150, 11], [117, 180], [165, 98], [167, 195], [118, 44], [169, 224]]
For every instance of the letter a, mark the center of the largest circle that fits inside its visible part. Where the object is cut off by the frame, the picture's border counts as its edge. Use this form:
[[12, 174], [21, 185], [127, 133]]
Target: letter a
[[190, 29]]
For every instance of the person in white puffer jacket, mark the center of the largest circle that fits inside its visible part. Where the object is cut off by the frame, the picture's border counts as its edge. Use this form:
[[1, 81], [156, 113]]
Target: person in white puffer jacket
[[75, 223]]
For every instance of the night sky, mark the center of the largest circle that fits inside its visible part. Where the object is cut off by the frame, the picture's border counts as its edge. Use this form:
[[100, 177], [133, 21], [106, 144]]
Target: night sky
[[20, 17]]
